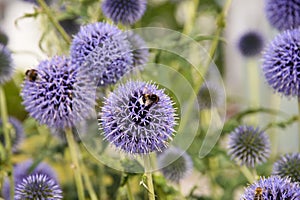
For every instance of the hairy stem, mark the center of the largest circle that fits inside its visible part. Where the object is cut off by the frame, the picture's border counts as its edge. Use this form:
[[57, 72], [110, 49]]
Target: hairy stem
[[75, 161], [7, 139], [53, 20]]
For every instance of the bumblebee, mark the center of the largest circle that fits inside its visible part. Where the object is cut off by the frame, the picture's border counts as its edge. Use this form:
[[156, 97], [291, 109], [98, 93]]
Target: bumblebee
[[258, 194], [148, 100], [32, 75]]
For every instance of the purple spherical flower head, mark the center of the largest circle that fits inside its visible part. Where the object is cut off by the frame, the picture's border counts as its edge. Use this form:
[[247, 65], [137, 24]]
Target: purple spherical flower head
[[138, 118], [25, 169], [273, 188], [288, 166], [139, 49], [104, 50], [175, 164], [281, 63], [70, 25], [125, 11], [6, 69], [283, 14], [38, 186], [17, 133], [250, 44], [57, 93], [210, 96], [3, 37], [249, 146]]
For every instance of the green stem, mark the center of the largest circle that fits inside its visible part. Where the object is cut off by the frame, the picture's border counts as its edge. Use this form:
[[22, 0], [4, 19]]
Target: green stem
[[7, 140], [55, 23], [129, 192], [75, 161], [88, 182], [147, 162], [102, 187], [247, 173]]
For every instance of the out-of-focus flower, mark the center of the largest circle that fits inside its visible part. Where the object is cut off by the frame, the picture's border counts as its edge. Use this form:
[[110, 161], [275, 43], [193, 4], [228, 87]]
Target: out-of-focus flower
[[210, 96], [17, 133], [273, 187], [70, 25], [125, 11], [57, 93], [38, 186], [281, 63], [288, 166], [283, 15], [175, 164], [6, 69], [139, 49], [104, 51], [3, 38], [138, 118], [251, 44], [249, 146]]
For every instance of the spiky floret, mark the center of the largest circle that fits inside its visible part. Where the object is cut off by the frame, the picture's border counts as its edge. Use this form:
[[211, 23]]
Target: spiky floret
[[104, 51], [175, 164], [283, 15], [125, 11], [273, 187], [249, 146], [288, 166], [38, 186], [138, 118], [58, 94], [281, 63]]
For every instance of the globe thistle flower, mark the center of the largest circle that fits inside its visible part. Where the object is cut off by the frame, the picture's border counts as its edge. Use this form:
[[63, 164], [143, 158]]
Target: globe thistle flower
[[249, 146], [57, 94], [138, 118], [6, 69], [17, 135], [175, 164], [139, 48], [104, 50], [70, 25], [125, 11], [251, 44], [288, 166], [283, 15], [281, 63], [38, 186], [210, 96], [273, 187], [24, 169], [3, 38]]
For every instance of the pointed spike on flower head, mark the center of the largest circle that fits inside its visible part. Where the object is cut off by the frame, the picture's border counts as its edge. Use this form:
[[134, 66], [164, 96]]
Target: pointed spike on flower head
[[283, 15], [175, 164], [57, 94], [6, 68], [249, 146], [126, 12], [288, 166], [273, 187], [38, 186], [103, 51], [281, 63], [138, 118]]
